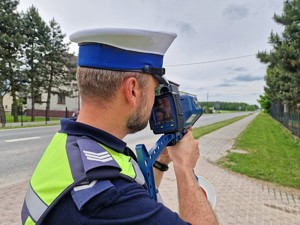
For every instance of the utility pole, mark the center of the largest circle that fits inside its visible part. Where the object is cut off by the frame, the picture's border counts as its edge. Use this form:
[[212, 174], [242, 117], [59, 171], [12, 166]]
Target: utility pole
[[207, 99]]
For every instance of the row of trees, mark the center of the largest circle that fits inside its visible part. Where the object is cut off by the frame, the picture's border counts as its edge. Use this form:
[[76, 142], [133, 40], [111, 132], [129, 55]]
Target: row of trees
[[283, 71], [231, 106], [34, 57]]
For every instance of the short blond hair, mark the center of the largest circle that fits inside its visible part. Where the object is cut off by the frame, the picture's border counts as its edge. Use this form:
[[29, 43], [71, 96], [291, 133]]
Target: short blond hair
[[104, 84]]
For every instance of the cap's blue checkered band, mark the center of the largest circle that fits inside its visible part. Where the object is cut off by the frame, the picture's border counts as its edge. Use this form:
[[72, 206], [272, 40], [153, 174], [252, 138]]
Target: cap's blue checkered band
[[102, 56]]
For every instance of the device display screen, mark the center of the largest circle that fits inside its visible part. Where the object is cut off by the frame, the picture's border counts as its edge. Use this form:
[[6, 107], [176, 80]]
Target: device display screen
[[163, 111]]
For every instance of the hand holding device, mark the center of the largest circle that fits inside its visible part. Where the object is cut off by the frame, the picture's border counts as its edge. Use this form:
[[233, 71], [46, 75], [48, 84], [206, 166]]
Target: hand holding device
[[172, 115]]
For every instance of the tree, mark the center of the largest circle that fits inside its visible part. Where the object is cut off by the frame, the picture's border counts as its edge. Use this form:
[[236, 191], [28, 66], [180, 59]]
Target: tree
[[283, 73], [58, 64], [4, 90], [232, 106], [264, 102], [11, 40], [37, 37]]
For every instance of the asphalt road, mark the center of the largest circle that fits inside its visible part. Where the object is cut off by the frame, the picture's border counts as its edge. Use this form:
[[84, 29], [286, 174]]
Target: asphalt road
[[21, 149], [148, 138]]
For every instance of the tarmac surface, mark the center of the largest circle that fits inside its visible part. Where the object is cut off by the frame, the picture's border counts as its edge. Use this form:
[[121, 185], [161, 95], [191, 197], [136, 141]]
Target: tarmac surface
[[240, 200]]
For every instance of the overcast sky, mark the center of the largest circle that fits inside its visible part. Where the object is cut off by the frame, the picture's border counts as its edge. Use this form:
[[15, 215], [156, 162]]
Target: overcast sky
[[208, 30]]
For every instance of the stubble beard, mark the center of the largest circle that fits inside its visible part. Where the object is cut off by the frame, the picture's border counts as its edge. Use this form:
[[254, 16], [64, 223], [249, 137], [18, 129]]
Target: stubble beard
[[139, 119]]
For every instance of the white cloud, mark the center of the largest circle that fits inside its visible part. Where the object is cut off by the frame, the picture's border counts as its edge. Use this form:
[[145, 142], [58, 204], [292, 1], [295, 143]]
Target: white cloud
[[235, 12], [247, 77]]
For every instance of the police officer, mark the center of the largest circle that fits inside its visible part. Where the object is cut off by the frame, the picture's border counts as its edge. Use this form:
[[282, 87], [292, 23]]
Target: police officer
[[87, 174]]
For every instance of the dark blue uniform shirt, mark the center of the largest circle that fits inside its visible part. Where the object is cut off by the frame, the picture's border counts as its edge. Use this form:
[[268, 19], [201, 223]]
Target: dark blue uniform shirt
[[126, 203]]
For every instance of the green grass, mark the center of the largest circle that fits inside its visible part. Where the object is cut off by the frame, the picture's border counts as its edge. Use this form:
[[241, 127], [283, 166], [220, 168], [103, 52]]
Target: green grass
[[274, 153], [200, 131], [10, 118]]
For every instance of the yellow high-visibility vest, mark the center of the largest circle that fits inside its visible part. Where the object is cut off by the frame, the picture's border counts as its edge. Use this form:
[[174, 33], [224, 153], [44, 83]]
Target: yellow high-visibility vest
[[65, 165]]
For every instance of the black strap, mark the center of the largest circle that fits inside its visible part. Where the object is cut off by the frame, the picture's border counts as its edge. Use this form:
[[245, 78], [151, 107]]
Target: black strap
[[160, 166], [154, 71]]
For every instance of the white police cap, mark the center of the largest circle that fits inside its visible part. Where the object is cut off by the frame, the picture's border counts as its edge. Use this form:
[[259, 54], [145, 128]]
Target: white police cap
[[123, 49]]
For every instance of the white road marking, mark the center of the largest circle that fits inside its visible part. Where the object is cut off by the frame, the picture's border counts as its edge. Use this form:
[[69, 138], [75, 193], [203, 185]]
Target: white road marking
[[22, 139]]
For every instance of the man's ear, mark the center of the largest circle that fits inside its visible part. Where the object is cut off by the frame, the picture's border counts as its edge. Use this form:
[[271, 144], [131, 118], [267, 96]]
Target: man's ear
[[132, 90]]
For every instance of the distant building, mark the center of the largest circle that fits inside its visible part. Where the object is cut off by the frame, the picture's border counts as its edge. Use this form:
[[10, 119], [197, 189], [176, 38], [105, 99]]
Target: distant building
[[7, 102], [60, 106]]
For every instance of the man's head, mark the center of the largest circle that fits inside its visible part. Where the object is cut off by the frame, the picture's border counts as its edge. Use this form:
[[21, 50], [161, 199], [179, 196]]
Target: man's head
[[103, 85], [127, 61]]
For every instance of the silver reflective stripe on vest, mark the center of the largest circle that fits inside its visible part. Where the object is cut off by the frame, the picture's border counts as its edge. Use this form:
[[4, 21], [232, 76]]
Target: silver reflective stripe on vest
[[139, 177], [35, 205], [159, 198]]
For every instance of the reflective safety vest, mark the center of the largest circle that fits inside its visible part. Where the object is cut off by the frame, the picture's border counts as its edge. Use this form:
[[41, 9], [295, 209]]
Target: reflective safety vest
[[66, 165]]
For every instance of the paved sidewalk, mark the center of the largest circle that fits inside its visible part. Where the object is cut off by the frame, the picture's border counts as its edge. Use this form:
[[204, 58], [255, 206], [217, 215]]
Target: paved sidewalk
[[11, 200], [240, 200]]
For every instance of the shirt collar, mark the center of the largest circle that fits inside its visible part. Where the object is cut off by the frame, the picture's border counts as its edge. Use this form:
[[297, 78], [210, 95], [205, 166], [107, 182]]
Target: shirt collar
[[72, 127]]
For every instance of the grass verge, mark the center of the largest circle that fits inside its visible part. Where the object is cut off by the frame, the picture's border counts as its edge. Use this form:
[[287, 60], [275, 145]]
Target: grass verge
[[273, 153], [9, 118], [200, 131]]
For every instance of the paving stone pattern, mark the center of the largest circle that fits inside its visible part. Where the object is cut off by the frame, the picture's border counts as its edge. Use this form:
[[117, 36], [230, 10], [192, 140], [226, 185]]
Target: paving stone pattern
[[240, 200]]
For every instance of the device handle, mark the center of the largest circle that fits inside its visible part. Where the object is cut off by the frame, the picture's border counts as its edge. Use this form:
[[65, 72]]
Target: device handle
[[146, 160]]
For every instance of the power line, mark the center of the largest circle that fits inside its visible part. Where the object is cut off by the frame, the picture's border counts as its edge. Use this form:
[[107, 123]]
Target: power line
[[211, 61]]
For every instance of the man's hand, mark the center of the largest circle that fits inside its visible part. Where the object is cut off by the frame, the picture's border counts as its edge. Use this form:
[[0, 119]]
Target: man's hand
[[164, 157], [186, 152], [193, 204]]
